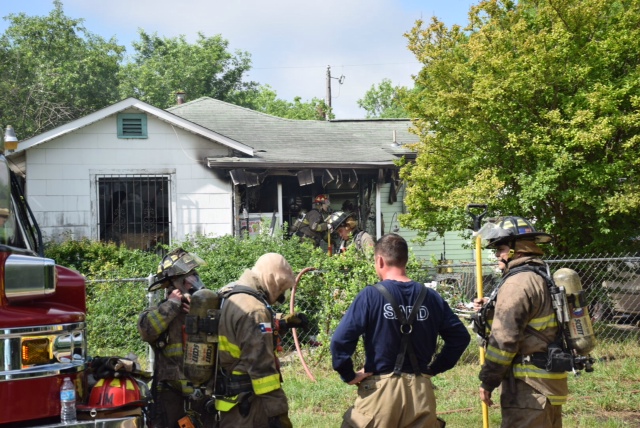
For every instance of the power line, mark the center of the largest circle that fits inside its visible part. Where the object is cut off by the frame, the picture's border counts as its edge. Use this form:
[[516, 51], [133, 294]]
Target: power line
[[337, 66]]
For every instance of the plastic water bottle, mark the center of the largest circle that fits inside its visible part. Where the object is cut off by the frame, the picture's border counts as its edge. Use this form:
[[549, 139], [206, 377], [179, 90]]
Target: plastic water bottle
[[67, 402]]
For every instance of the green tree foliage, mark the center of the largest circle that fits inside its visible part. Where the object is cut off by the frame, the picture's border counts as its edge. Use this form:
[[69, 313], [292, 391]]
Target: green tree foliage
[[264, 99], [534, 110], [54, 70], [162, 66], [384, 101]]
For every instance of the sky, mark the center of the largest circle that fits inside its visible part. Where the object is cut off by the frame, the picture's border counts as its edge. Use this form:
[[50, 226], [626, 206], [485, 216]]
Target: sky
[[291, 42]]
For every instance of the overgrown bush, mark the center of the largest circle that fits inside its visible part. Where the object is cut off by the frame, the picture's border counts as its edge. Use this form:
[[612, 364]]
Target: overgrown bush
[[102, 260]]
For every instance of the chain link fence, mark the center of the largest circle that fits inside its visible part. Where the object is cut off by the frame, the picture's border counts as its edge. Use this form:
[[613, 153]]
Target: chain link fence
[[611, 283]]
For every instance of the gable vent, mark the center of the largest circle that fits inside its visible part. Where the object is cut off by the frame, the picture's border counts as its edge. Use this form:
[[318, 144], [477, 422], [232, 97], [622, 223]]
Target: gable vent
[[132, 125]]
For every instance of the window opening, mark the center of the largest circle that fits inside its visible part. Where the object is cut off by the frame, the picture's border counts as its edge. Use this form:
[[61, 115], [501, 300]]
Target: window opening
[[134, 210]]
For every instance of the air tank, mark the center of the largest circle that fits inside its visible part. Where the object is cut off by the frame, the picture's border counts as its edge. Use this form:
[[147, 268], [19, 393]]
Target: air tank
[[202, 336], [581, 335]]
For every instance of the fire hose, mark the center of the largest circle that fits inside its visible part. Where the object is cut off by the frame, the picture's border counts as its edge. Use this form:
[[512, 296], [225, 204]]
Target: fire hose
[[294, 331]]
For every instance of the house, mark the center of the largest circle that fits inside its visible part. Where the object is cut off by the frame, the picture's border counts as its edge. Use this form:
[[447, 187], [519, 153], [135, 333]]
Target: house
[[140, 175]]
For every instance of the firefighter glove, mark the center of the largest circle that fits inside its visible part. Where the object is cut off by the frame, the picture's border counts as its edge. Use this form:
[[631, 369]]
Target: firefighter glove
[[108, 367], [298, 320]]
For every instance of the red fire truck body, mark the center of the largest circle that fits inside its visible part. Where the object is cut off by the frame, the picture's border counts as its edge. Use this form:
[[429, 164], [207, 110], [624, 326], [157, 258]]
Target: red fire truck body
[[42, 322]]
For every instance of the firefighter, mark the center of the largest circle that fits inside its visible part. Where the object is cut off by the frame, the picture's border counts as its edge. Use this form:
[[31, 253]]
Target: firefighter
[[522, 328], [312, 224], [248, 390], [400, 321], [162, 327], [345, 225]]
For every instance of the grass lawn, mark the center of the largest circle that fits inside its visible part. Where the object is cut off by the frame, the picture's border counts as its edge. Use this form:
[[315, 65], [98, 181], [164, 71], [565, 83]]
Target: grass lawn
[[609, 397]]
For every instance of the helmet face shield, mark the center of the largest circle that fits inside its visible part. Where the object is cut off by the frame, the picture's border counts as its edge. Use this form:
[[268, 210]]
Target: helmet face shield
[[194, 282], [186, 263]]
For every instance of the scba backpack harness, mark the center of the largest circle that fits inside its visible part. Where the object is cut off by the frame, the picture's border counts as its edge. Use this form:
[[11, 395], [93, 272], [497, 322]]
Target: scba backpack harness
[[563, 353]]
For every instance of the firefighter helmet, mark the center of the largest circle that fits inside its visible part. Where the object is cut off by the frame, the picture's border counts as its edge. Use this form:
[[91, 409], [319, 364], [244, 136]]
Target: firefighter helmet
[[321, 199], [509, 230], [117, 392], [337, 218], [176, 263]]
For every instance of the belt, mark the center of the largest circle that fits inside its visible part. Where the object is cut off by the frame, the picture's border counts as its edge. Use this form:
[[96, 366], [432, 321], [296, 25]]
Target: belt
[[403, 374], [538, 359]]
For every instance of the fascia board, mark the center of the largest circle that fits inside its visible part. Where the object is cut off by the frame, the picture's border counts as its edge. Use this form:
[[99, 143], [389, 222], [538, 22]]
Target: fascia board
[[133, 103], [250, 163]]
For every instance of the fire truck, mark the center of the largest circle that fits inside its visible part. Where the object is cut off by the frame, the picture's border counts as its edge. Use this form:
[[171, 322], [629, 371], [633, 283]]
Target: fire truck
[[42, 322]]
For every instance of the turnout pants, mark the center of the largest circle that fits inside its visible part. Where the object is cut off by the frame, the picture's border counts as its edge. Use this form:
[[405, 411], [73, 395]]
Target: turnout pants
[[256, 416], [170, 408], [385, 401], [527, 408]]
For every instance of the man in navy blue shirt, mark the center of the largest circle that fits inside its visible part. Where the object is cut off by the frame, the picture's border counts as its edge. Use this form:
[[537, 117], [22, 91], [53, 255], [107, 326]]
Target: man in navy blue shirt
[[396, 391]]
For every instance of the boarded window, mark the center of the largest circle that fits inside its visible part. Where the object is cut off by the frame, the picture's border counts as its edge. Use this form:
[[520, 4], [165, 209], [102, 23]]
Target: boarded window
[[132, 125], [134, 210]]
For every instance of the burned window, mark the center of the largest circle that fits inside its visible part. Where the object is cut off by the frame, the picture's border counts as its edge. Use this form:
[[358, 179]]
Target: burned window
[[134, 210]]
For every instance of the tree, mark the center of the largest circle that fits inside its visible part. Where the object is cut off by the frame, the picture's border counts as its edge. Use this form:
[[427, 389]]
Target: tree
[[384, 101], [53, 71], [162, 66], [533, 109], [264, 99]]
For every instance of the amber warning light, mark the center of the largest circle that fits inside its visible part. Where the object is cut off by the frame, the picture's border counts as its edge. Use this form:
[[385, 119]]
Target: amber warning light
[[35, 351]]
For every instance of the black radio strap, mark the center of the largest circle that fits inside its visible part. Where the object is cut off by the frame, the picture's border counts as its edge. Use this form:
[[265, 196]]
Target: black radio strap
[[405, 328]]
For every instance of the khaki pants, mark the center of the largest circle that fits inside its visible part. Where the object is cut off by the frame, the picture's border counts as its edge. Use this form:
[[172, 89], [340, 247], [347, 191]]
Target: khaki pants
[[527, 408], [393, 401]]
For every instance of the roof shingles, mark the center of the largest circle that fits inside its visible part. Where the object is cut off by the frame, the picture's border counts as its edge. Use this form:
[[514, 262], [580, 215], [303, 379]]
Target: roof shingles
[[276, 140]]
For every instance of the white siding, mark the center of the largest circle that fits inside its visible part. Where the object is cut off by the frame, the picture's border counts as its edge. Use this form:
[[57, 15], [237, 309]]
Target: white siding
[[60, 173]]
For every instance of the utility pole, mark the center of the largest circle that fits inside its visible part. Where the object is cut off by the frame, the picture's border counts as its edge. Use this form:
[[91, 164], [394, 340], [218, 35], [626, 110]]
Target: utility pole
[[328, 100]]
